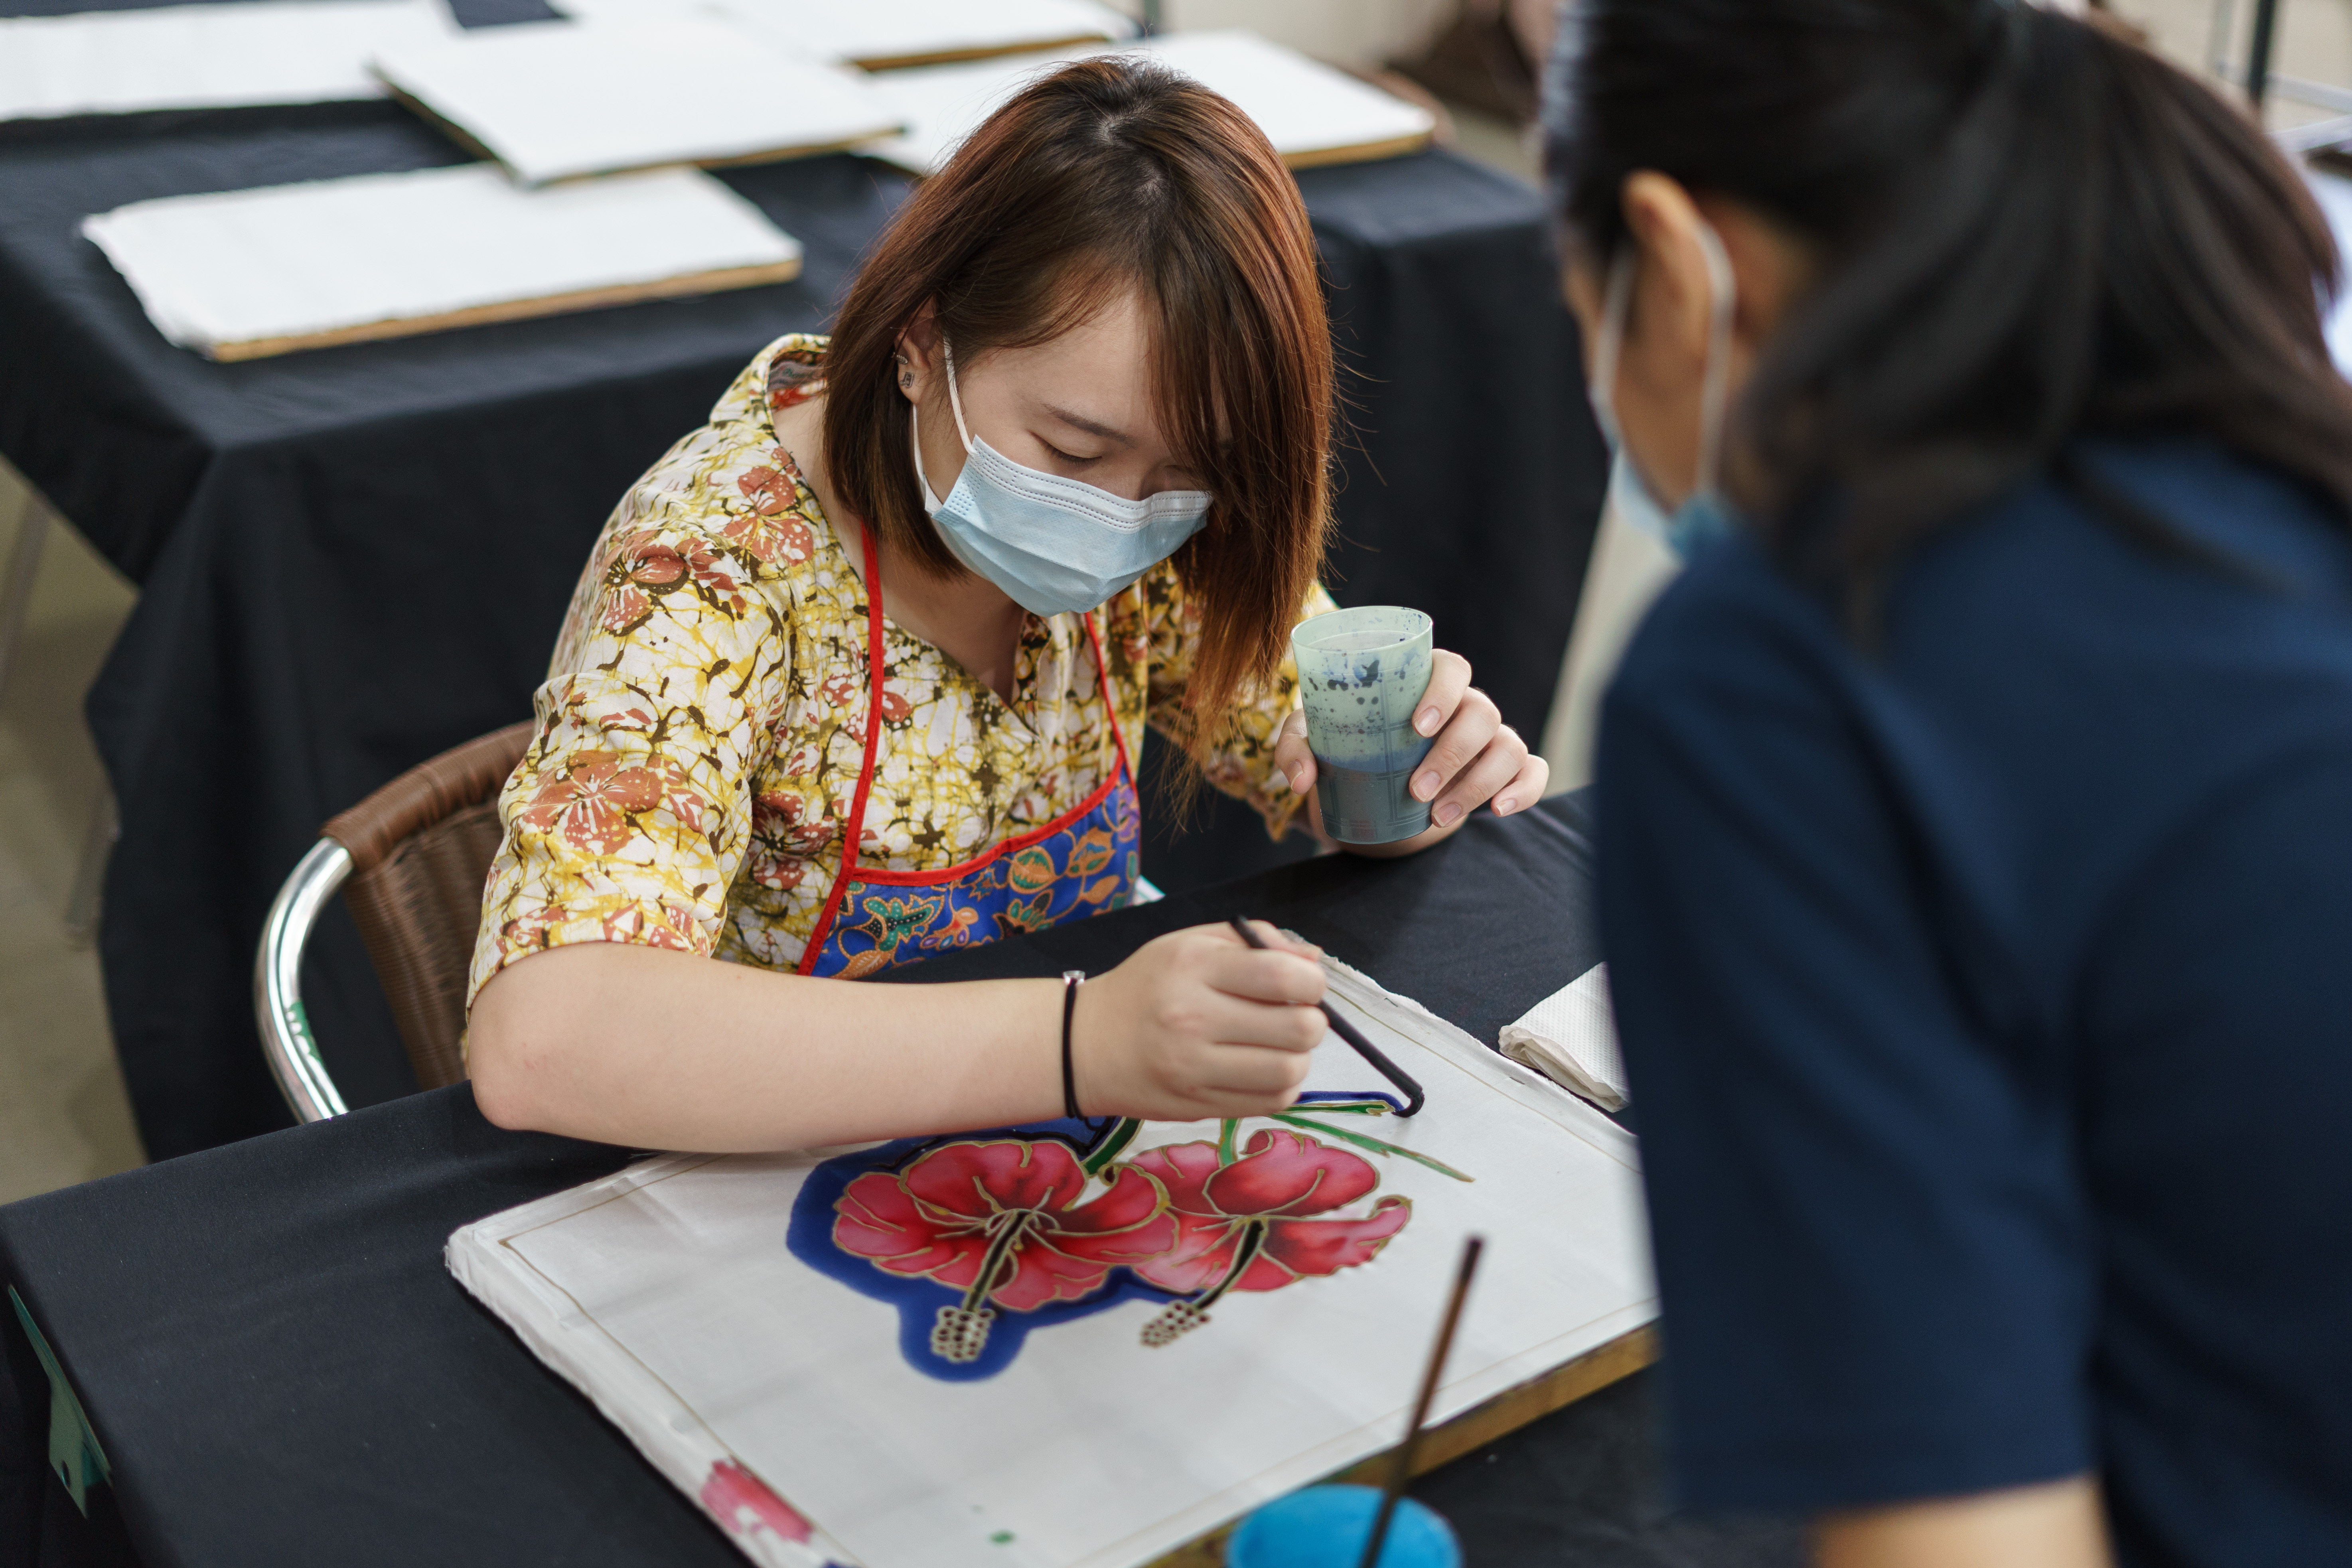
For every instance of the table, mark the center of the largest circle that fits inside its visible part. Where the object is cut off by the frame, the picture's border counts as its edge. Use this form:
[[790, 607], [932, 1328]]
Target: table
[[353, 559], [281, 1371]]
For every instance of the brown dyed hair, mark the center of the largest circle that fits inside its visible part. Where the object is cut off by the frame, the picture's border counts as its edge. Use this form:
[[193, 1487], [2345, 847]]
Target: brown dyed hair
[[1112, 172]]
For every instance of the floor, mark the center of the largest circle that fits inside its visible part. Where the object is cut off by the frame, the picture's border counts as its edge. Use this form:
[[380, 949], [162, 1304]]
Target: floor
[[63, 1118]]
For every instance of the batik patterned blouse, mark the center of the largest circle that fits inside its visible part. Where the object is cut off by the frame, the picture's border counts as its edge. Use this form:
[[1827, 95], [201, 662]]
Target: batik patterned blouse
[[703, 724]]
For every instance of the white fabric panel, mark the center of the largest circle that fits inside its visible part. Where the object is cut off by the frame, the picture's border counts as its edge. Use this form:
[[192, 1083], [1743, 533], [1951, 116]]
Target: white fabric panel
[[888, 29], [1303, 106], [555, 100], [291, 260], [203, 56], [667, 1295]]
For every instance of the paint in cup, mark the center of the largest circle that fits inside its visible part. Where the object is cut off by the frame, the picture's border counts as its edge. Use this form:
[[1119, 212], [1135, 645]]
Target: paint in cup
[[1362, 673], [1328, 1527]]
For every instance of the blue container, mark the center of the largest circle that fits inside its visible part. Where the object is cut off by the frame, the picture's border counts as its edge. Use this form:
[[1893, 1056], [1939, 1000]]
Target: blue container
[[1328, 1527]]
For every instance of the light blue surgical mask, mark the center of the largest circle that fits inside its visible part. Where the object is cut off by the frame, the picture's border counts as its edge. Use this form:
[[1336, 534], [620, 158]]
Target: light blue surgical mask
[[1054, 545], [1705, 517]]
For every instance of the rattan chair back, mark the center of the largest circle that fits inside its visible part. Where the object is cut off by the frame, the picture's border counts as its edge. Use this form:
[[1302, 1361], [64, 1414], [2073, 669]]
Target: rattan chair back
[[421, 849]]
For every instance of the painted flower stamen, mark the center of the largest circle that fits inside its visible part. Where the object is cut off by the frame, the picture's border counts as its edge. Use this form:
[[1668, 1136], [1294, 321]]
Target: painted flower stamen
[[962, 1331], [1181, 1317]]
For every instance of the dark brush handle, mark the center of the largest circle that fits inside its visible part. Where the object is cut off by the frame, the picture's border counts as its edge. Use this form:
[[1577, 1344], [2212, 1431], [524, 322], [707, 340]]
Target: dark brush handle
[[1349, 1033]]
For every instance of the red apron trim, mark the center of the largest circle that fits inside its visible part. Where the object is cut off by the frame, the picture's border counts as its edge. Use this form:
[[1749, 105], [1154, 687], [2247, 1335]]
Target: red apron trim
[[856, 824]]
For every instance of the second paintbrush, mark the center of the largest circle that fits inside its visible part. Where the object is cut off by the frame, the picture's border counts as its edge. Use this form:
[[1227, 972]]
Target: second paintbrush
[[1353, 1036]]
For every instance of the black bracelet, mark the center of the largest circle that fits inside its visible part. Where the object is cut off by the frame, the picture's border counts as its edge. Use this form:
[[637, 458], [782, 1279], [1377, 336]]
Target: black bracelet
[[1071, 980]]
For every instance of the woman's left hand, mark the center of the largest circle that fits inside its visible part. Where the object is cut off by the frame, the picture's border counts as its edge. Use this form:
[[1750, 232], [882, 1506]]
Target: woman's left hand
[[1477, 758]]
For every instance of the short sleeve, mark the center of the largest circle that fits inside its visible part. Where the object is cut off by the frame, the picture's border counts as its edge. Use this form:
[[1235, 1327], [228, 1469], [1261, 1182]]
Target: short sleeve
[[1876, 1277], [1242, 764], [630, 813]]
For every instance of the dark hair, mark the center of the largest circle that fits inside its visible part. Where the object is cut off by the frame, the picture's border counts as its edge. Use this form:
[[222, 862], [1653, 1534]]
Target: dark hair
[[1110, 172], [2029, 230]]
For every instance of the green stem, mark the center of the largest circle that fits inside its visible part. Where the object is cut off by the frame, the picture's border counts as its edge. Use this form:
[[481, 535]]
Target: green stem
[[1225, 1139], [1374, 1144], [994, 1261], [1246, 1251], [1110, 1146]]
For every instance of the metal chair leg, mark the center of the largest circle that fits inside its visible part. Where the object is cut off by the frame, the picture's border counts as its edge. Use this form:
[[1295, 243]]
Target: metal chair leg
[[16, 588]]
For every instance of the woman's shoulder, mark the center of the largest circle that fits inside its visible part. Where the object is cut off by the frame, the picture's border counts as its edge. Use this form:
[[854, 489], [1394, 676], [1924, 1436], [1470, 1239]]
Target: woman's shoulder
[[787, 371], [724, 517], [731, 485]]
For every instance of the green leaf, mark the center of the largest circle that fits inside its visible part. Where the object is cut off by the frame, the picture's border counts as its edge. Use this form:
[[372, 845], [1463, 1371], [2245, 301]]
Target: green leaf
[[1375, 1146]]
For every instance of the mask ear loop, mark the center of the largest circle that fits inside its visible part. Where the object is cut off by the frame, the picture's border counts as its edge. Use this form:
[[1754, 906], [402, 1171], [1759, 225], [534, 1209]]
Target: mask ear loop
[[955, 399], [1715, 391], [931, 502]]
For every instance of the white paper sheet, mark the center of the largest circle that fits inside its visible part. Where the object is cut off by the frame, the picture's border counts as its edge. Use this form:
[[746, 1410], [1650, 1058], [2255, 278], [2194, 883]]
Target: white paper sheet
[[203, 56], [879, 34], [241, 266], [1570, 1036], [669, 1294], [555, 100], [1305, 107]]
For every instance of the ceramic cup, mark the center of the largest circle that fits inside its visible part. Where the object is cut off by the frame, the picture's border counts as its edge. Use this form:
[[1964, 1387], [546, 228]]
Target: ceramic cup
[[1362, 673]]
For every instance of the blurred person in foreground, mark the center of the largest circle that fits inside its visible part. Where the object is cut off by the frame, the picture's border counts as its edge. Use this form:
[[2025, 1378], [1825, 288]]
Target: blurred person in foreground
[[1975, 810]]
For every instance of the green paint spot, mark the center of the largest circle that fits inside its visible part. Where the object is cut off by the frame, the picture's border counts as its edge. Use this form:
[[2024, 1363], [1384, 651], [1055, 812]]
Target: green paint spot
[[1001, 1538], [74, 1452]]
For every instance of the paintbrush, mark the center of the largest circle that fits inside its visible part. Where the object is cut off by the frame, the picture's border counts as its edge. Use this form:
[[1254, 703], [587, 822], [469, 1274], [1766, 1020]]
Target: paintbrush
[[1401, 1472], [1354, 1036]]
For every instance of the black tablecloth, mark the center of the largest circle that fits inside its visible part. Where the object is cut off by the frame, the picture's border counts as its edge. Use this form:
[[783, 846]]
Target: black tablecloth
[[280, 1370], [354, 558]]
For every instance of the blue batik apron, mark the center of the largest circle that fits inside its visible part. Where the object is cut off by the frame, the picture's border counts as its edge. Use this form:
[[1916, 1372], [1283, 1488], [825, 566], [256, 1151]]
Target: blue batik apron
[[1083, 862]]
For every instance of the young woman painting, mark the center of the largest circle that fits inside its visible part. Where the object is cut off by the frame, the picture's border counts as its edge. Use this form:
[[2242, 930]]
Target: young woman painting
[[857, 673]]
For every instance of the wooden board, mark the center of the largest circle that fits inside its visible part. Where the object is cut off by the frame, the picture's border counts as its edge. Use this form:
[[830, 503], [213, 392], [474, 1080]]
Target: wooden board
[[1472, 1430], [239, 275], [513, 311], [730, 1315], [557, 100], [958, 57], [1297, 102]]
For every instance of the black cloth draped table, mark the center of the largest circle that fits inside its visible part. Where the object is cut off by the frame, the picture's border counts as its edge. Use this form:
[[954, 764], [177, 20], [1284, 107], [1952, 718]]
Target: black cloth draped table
[[351, 558], [280, 1370]]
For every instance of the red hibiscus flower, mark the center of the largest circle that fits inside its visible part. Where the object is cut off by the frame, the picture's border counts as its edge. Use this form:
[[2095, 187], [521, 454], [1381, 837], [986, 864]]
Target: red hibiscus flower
[[1002, 1220], [1252, 1225]]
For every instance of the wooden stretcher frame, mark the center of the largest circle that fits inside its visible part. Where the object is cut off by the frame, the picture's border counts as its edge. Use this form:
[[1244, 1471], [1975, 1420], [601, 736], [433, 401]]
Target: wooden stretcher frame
[[1475, 1427], [978, 52], [680, 286]]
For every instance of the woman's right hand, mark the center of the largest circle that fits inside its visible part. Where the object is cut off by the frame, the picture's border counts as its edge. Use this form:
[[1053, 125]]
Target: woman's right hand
[[1197, 1025]]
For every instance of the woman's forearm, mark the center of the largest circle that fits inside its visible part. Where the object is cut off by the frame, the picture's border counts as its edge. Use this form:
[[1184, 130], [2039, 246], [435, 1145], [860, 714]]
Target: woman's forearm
[[2060, 1525], [655, 1049]]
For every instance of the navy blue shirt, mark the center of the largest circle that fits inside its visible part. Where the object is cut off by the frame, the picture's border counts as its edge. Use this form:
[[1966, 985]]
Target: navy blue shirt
[[1986, 999]]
